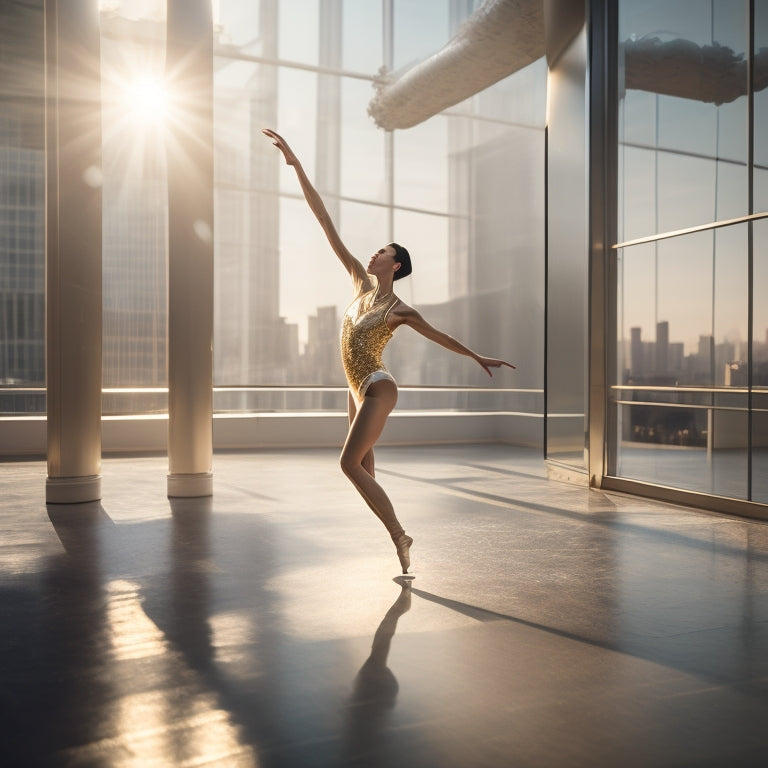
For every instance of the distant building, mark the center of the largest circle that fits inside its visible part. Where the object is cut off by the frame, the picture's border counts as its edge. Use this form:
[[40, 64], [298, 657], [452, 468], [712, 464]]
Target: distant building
[[736, 374], [22, 197], [322, 355], [661, 351]]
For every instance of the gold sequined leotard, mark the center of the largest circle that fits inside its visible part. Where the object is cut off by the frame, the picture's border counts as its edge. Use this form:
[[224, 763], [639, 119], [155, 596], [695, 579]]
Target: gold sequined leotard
[[364, 334]]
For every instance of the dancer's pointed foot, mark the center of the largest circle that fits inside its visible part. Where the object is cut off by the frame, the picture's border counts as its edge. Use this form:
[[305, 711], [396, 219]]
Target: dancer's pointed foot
[[403, 546]]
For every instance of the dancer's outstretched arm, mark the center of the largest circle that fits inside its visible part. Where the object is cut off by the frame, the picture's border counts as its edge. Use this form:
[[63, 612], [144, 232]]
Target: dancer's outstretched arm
[[351, 264], [402, 314]]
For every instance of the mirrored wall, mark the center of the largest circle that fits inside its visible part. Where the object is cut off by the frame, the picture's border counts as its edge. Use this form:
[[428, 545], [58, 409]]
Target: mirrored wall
[[690, 382]]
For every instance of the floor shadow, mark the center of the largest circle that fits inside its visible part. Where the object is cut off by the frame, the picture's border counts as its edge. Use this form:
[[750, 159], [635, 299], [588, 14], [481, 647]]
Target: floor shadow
[[375, 690], [696, 658], [64, 656], [606, 515], [189, 606], [218, 565], [508, 472], [180, 573]]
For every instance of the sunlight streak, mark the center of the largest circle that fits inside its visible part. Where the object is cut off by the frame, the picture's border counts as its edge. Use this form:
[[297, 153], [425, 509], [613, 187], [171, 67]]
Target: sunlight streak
[[147, 100]]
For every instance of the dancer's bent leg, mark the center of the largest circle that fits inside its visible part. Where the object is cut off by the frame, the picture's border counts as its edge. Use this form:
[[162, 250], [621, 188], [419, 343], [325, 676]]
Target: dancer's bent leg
[[366, 427]]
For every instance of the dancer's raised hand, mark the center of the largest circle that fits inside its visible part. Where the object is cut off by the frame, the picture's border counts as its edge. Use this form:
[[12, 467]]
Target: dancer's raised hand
[[282, 145], [316, 205]]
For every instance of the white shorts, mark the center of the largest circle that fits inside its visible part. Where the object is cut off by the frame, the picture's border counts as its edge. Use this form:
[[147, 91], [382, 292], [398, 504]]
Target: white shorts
[[379, 375]]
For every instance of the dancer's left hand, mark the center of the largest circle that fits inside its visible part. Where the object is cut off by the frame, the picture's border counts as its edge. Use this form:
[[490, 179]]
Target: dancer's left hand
[[491, 362]]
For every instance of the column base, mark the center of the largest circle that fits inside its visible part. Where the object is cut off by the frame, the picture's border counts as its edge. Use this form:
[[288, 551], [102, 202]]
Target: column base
[[190, 486], [72, 490]]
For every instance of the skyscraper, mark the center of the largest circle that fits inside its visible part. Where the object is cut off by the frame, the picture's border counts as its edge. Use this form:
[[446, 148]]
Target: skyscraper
[[661, 351], [22, 197]]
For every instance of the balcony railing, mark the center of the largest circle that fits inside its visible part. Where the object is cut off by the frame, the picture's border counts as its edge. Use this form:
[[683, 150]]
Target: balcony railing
[[128, 401]]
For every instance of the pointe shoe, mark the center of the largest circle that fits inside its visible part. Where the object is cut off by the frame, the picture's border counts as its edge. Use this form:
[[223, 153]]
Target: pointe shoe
[[403, 546]]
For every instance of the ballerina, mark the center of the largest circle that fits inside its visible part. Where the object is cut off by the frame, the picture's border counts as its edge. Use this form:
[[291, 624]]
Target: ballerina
[[367, 326]]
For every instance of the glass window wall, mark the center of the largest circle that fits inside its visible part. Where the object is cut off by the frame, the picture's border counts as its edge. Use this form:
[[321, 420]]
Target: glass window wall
[[760, 116], [134, 207], [22, 209], [687, 399], [683, 399], [759, 425], [682, 143], [463, 191], [441, 189]]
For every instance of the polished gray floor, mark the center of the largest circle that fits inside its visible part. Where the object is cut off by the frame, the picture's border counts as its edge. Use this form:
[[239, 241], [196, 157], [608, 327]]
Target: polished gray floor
[[547, 625]]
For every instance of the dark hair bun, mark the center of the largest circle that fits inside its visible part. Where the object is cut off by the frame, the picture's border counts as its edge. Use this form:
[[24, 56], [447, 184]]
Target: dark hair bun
[[403, 258]]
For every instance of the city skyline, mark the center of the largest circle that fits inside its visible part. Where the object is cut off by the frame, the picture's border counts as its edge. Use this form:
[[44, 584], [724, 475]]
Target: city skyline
[[714, 363]]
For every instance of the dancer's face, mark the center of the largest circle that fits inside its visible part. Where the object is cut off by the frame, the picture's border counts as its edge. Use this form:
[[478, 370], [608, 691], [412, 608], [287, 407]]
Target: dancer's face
[[382, 262]]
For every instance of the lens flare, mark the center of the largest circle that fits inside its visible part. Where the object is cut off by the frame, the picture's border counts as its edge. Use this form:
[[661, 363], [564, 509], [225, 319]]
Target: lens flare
[[148, 100]]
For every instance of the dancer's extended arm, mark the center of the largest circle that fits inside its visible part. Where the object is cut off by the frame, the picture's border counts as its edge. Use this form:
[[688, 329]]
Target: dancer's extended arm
[[402, 314], [351, 264]]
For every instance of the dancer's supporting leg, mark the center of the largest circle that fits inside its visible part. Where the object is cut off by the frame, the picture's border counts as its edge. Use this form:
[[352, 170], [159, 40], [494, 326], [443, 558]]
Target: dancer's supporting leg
[[368, 460], [364, 431]]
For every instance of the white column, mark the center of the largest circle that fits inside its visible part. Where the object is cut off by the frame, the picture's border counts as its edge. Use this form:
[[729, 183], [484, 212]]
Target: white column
[[189, 66], [73, 250]]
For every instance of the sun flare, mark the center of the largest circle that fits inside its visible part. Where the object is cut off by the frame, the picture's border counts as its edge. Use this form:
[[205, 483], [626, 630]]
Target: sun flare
[[147, 100]]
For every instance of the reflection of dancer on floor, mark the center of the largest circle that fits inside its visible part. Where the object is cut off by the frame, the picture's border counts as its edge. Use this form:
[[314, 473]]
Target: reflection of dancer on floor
[[376, 687], [367, 326]]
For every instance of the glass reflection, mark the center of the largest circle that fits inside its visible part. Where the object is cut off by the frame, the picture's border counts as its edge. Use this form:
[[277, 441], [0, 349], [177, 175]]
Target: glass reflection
[[760, 124], [683, 115], [684, 356], [696, 448], [684, 319], [759, 431], [22, 204], [684, 362], [760, 446]]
